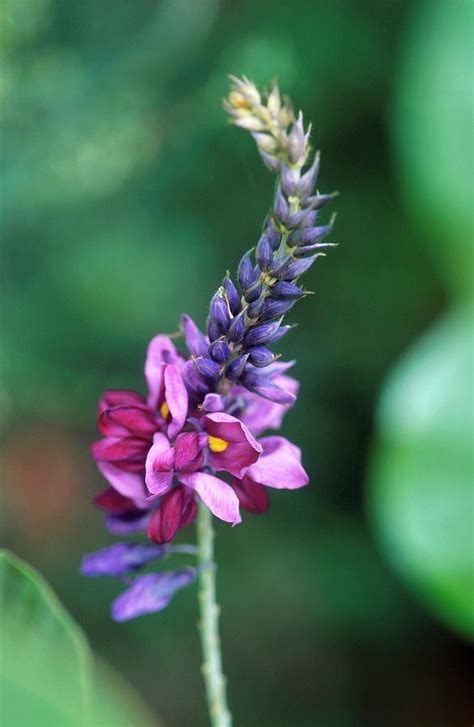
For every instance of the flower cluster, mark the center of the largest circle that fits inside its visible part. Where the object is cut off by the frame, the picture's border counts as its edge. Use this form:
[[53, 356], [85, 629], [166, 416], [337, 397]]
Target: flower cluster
[[197, 435]]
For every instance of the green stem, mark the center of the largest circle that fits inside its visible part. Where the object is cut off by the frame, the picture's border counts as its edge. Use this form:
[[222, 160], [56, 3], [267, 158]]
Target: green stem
[[208, 626]]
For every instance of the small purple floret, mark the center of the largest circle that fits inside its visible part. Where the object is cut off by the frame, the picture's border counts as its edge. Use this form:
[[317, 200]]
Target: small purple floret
[[120, 558], [150, 593]]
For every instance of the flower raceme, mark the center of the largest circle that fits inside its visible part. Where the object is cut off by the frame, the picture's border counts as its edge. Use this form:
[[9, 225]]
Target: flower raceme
[[197, 433]]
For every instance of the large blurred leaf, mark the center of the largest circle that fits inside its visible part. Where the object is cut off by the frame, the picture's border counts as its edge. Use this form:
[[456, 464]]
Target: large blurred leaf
[[422, 495], [434, 133], [48, 675]]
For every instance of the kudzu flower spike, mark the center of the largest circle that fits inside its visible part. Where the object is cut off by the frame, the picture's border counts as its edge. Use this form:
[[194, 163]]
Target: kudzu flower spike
[[193, 445]]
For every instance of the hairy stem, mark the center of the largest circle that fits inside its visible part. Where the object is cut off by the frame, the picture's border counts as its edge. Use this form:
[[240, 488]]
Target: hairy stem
[[208, 626]]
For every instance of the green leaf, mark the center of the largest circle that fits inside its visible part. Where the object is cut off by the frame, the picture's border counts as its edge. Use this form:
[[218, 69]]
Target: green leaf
[[48, 675], [422, 496], [433, 134]]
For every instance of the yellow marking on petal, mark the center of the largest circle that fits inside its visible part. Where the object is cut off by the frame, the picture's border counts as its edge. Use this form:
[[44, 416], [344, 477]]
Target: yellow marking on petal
[[216, 444], [164, 410]]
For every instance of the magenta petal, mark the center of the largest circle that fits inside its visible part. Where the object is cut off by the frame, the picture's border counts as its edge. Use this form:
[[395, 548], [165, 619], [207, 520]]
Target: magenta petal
[[252, 496], [128, 484], [188, 448], [216, 494], [242, 450], [159, 481], [160, 351], [279, 466], [114, 449], [176, 397], [120, 397], [126, 420]]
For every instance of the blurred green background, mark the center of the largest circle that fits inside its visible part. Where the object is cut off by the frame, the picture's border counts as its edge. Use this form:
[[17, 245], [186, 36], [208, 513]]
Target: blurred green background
[[125, 197]]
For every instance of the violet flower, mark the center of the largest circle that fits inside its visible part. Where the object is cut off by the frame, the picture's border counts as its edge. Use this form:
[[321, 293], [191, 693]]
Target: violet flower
[[193, 444]]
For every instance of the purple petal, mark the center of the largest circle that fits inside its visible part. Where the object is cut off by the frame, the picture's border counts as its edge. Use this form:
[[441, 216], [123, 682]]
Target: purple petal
[[219, 497], [279, 465], [120, 558], [160, 351], [195, 340], [213, 402], [150, 593], [128, 523], [128, 484], [176, 397], [159, 481], [261, 414], [266, 387]]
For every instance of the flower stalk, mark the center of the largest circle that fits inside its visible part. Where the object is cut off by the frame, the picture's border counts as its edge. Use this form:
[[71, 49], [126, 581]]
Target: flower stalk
[[214, 678]]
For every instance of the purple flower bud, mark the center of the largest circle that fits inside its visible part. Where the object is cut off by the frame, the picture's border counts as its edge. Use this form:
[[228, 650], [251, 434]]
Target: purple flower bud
[[308, 180], [264, 252], [297, 141], [120, 558], [281, 206], [278, 264], [273, 236], [295, 268], [177, 510], [219, 351], [261, 356], [236, 368], [287, 291], [253, 293], [288, 180], [213, 328], [220, 312], [236, 329], [265, 387], [233, 296], [310, 235], [282, 331], [318, 200], [207, 367], [128, 523], [151, 592], [274, 308], [253, 311], [284, 289], [303, 218], [196, 341], [273, 163], [311, 249], [213, 402], [194, 382], [245, 273], [260, 334]]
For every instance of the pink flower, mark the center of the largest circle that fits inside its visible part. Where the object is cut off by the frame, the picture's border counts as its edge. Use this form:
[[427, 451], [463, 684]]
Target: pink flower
[[225, 444]]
